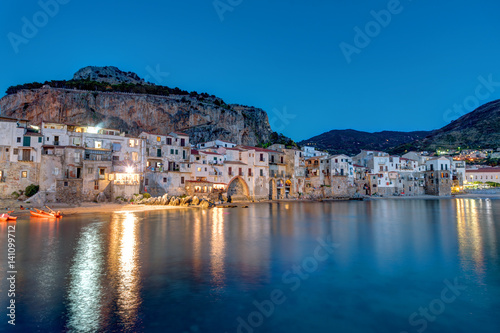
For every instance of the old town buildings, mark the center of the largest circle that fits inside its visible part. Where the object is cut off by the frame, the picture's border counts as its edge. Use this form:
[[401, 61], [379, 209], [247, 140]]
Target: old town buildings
[[82, 163]]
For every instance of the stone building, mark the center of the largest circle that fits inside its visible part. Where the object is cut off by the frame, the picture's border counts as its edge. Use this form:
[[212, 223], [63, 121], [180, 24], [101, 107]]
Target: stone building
[[20, 155]]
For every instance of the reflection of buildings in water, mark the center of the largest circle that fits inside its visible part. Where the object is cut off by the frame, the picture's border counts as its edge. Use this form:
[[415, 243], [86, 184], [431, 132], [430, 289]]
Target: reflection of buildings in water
[[217, 249], [123, 265], [85, 293], [470, 239]]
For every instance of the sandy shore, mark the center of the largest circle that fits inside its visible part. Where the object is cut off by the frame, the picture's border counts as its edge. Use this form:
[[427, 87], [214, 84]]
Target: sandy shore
[[91, 207]]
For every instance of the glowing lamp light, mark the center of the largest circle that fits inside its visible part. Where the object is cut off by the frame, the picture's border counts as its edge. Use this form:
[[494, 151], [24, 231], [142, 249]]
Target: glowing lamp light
[[129, 169]]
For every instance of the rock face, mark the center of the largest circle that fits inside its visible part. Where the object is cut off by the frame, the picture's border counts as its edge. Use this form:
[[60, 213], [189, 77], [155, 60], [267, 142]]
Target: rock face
[[134, 113], [108, 74]]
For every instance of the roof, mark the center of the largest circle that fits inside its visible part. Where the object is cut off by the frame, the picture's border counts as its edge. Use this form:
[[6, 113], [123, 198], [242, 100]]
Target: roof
[[209, 152], [32, 134], [63, 147], [359, 166], [234, 162], [482, 170], [181, 133], [12, 119], [194, 152], [264, 150]]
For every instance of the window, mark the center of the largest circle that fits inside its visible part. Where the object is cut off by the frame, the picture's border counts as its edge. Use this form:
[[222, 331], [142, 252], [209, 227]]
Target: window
[[66, 184], [261, 172], [16, 151], [18, 140], [164, 179], [116, 158], [199, 169], [261, 158], [158, 139], [183, 142], [39, 139], [90, 170], [171, 151], [96, 185], [176, 152], [102, 173], [169, 141], [98, 144], [182, 180], [249, 172], [135, 156], [24, 174], [146, 181]]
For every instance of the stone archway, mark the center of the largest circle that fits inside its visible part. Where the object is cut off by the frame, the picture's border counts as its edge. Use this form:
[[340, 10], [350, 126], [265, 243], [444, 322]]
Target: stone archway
[[238, 189]]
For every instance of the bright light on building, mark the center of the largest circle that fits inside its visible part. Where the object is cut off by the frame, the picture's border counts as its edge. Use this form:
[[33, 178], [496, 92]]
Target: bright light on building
[[93, 130], [129, 169]]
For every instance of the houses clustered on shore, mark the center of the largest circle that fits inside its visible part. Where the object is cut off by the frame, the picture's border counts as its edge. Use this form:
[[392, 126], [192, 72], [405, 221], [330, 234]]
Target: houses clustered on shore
[[73, 163]]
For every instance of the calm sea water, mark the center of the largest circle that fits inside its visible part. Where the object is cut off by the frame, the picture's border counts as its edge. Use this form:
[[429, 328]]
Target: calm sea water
[[373, 266]]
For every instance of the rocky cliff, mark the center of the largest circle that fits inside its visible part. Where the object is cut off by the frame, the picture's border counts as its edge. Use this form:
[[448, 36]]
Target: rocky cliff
[[108, 74], [203, 117]]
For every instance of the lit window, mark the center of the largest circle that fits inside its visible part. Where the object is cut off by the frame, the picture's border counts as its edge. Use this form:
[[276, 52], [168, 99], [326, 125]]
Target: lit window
[[158, 138], [24, 174]]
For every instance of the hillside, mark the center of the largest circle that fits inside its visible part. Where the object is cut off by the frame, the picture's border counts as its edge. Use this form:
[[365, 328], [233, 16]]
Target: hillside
[[477, 129], [351, 141], [134, 108]]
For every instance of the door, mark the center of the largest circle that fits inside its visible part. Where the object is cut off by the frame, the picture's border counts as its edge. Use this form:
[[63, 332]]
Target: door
[[27, 141], [26, 154], [158, 152]]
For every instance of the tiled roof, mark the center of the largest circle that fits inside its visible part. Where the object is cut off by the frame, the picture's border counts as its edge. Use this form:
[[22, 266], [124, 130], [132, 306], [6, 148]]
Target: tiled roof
[[482, 170]]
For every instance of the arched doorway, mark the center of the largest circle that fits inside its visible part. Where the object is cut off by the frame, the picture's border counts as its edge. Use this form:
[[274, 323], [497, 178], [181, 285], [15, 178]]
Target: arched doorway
[[280, 188], [238, 189], [288, 188]]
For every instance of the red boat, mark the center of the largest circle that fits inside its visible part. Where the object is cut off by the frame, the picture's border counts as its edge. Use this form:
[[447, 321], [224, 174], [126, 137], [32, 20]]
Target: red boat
[[44, 214], [7, 217]]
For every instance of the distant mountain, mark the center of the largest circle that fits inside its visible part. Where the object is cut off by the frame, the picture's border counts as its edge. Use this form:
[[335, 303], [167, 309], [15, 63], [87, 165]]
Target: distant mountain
[[351, 141], [477, 129]]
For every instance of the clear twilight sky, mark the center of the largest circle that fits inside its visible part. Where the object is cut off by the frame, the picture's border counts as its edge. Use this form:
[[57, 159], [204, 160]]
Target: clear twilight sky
[[304, 62]]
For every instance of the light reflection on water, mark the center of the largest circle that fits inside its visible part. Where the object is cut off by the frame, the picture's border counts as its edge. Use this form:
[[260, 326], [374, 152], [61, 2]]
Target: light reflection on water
[[123, 267], [85, 290], [197, 271]]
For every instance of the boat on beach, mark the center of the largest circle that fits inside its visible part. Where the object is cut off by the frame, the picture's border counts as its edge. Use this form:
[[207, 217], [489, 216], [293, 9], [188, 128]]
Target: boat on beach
[[43, 214], [7, 217]]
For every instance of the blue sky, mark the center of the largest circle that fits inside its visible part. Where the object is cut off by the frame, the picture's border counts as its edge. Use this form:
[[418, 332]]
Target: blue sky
[[407, 73]]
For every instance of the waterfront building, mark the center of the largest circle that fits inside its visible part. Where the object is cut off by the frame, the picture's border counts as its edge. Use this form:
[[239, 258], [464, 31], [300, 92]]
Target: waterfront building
[[20, 155], [483, 175]]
